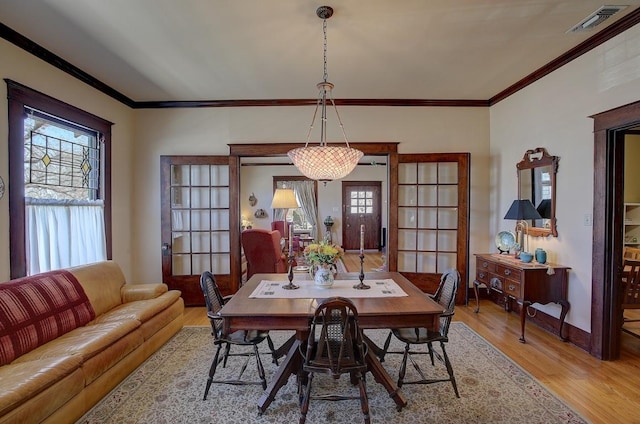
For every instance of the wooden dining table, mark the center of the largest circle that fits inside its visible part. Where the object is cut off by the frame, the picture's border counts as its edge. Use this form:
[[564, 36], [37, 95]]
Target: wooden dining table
[[245, 313]]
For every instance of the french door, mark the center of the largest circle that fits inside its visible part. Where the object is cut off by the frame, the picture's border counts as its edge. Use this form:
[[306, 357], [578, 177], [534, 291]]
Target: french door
[[195, 217], [429, 227]]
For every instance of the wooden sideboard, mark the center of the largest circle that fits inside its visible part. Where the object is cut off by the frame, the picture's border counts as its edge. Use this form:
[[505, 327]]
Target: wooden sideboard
[[526, 283]]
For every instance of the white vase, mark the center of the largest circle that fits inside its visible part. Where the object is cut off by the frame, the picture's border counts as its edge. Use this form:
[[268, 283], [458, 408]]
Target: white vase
[[323, 276]]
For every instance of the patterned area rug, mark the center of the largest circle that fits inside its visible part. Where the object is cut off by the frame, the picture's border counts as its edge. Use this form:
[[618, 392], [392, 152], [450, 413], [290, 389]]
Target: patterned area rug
[[169, 386]]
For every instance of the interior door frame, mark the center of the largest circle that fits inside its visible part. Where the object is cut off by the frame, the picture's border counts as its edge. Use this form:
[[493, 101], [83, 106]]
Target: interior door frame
[[238, 151], [609, 131]]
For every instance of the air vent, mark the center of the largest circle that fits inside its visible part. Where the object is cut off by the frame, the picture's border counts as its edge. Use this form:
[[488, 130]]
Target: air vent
[[596, 18]]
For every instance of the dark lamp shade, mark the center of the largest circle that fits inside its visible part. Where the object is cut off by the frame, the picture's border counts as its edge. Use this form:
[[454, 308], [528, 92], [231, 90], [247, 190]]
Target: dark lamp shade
[[544, 208], [522, 209]]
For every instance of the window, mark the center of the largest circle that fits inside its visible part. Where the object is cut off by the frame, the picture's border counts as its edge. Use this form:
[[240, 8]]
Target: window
[[361, 202], [304, 218], [59, 158]]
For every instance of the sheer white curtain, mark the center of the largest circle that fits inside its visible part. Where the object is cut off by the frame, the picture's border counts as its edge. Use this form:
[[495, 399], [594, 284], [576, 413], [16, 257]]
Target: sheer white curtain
[[306, 195], [63, 233]]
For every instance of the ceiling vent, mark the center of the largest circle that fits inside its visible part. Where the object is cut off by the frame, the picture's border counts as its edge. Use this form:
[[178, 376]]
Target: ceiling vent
[[596, 18]]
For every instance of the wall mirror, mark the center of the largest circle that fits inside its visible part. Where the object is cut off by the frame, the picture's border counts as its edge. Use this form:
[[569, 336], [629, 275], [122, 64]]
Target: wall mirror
[[537, 182]]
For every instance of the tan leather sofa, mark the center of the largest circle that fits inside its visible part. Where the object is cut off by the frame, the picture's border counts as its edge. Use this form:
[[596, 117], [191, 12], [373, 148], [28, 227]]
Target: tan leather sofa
[[60, 380]]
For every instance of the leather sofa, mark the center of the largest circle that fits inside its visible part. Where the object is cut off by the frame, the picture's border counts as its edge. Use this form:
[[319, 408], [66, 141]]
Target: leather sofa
[[69, 337]]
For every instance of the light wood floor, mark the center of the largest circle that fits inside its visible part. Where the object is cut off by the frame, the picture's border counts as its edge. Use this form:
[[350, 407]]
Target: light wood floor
[[601, 391]]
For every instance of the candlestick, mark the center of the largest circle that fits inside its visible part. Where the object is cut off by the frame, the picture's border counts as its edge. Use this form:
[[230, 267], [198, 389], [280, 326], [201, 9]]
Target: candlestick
[[362, 285], [290, 237], [290, 286], [362, 239]]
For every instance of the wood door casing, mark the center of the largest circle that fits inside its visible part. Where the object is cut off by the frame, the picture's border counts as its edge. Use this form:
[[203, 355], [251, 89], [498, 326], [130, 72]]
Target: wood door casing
[[361, 205]]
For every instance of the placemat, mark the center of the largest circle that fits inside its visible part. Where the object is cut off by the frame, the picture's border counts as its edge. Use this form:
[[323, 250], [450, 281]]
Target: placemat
[[271, 289]]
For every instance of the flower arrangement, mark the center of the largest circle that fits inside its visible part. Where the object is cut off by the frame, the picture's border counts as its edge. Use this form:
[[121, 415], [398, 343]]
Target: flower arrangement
[[323, 253]]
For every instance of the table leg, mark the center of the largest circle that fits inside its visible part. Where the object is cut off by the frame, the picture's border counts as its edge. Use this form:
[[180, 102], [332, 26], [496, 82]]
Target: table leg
[[563, 314], [523, 317], [476, 283], [284, 349], [291, 365], [381, 376]]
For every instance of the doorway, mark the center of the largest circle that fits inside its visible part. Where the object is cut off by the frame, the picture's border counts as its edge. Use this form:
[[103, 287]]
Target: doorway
[[361, 206], [610, 130]]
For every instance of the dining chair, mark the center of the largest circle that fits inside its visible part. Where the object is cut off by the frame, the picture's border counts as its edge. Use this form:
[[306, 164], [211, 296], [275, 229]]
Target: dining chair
[[631, 291], [214, 302], [445, 295], [337, 349]]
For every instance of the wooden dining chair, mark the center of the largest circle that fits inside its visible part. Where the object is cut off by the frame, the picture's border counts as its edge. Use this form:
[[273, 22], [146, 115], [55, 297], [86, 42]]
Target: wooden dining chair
[[630, 290], [214, 302], [337, 349], [445, 295]]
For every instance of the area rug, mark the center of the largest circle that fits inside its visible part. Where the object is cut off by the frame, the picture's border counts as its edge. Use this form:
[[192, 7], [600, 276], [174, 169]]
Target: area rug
[[169, 386]]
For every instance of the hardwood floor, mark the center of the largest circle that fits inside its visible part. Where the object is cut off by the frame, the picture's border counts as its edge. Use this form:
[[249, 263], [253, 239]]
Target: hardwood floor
[[372, 261], [601, 391]]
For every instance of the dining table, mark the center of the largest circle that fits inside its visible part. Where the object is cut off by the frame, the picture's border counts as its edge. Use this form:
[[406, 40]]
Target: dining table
[[263, 304]]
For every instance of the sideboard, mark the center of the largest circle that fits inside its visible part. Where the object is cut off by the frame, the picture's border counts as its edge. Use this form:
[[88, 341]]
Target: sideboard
[[526, 283]]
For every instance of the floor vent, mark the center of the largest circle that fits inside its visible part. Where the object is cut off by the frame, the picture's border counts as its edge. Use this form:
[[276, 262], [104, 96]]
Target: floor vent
[[596, 18]]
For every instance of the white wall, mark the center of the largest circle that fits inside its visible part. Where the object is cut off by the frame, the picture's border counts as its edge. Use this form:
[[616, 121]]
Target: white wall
[[554, 113], [22, 67], [209, 130]]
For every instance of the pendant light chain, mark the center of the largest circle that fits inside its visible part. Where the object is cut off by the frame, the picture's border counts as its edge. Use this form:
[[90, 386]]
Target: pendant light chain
[[324, 30], [324, 162]]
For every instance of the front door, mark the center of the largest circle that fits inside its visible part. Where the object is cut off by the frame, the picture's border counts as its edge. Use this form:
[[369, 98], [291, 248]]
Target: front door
[[361, 206]]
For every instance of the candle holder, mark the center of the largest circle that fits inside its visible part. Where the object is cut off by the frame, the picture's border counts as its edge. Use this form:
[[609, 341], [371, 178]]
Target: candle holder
[[290, 286], [361, 286]]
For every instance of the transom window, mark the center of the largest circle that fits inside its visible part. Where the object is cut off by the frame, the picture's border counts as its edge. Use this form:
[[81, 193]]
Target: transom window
[[62, 161]]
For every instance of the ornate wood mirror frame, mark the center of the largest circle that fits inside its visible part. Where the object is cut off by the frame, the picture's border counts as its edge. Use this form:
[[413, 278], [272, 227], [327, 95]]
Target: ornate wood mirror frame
[[537, 182]]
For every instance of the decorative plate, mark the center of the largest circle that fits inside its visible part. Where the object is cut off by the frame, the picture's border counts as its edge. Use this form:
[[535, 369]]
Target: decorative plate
[[505, 240]]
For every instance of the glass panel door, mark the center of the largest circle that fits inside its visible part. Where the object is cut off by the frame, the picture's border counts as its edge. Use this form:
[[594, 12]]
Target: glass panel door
[[432, 218], [195, 222]]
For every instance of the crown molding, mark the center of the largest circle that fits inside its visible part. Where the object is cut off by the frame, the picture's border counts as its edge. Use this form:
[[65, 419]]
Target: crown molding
[[592, 42]]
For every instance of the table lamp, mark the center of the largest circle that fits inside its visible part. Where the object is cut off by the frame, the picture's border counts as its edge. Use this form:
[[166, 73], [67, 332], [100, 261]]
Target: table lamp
[[522, 210], [284, 198]]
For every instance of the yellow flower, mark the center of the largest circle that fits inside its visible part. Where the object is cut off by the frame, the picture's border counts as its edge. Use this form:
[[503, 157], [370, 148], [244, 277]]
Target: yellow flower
[[323, 253]]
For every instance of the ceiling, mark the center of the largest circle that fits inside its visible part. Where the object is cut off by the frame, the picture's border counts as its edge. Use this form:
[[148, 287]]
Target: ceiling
[[189, 50]]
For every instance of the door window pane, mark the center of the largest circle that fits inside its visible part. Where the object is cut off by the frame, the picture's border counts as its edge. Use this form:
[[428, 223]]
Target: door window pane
[[428, 173], [427, 240], [447, 195], [448, 173], [407, 173], [407, 217]]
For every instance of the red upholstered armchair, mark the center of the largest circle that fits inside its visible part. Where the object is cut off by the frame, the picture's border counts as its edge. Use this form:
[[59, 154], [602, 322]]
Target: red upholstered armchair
[[278, 225], [263, 252]]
